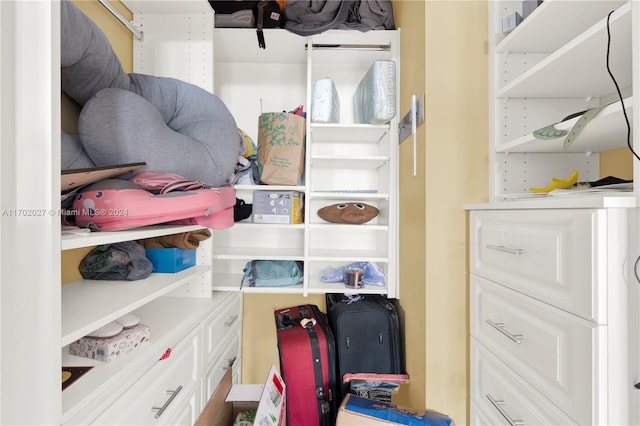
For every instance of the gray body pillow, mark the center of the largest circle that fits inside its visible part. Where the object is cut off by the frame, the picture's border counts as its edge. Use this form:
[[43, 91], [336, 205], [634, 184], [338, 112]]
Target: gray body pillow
[[173, 126]]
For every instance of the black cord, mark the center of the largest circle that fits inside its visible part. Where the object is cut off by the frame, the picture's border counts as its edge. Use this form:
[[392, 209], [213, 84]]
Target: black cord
[[624, 110]]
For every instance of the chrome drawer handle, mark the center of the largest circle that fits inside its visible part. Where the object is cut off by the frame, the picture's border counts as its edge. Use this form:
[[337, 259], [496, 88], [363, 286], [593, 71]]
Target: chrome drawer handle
[[230, 362], [231, 320], [516, 338], [516, 251], [160, 410], [498, 403]]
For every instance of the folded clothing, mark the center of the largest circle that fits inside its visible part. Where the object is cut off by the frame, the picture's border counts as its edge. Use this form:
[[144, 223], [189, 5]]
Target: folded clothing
[[184, 240]]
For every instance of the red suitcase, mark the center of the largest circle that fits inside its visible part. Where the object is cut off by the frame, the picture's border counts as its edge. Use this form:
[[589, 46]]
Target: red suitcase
[[307, 365]]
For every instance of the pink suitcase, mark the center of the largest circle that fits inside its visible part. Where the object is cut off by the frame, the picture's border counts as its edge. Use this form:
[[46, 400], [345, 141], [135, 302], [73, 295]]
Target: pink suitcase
[[114, 204]]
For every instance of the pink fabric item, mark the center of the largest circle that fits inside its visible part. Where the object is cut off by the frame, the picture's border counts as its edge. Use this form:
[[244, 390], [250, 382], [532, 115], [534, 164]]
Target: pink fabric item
[[125, 208]]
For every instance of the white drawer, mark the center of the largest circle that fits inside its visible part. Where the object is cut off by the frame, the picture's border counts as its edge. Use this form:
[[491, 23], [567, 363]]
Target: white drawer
[[212, 378], [556, 352], [551, 255], [220, 325], [504, 398], [159, 387]]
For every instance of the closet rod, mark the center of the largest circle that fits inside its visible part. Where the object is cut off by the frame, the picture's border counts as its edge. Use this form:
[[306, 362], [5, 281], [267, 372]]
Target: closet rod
[[343, 46], [122, 19]]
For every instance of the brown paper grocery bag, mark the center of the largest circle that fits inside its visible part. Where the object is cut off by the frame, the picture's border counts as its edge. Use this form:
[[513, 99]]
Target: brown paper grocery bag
[[281, 139]]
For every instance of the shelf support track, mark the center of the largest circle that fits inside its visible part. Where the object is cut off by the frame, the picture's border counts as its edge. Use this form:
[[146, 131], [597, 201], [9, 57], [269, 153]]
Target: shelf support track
[[136, 32]]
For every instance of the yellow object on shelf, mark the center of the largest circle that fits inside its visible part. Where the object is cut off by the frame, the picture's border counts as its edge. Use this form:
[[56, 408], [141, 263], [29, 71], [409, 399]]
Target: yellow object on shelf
[[558, 183]]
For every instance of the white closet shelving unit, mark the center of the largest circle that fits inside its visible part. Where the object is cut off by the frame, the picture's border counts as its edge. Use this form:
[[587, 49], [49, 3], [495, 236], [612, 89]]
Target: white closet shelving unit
[[541, 76], [345, 161], [553, 318], [195, 330]]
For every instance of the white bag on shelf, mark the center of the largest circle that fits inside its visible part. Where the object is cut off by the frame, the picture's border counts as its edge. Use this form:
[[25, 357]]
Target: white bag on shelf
[[374, 101], [325, 103]]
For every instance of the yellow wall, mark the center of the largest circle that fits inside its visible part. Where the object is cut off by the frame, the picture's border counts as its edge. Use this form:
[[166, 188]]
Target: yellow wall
[[122, 44], [409, 16], [456, 173]]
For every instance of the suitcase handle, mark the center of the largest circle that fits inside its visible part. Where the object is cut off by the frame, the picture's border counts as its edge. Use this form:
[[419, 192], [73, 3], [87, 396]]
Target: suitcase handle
[[285, 321]]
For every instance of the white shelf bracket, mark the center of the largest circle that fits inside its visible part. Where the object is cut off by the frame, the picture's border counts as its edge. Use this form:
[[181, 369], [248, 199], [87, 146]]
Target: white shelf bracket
[[410, 123], [135, 30]]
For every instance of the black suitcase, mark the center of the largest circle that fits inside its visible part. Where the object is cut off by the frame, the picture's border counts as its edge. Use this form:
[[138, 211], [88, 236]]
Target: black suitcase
[[367, 333], [307, 365]]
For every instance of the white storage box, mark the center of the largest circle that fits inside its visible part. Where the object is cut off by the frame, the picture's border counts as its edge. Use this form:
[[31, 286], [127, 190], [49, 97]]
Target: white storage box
[[374, 101], [325, 103]]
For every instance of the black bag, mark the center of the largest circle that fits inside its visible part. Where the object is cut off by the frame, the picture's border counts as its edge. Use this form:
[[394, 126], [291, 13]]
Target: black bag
[[265, 14], [308, 17], [118, 261]]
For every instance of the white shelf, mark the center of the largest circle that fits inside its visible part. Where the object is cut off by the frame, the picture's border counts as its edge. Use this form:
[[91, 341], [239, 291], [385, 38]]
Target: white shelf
[[363, 133], [284, 226], [232, 282], [264, 253], [613, 200], [165, 317], [349, 195], [89, 304], [321, 288], [553, 24], [576, 70], [337, 255], [240, 188], [290, 289], [364, 162], [74, 241], [365, 227], [607, 131]]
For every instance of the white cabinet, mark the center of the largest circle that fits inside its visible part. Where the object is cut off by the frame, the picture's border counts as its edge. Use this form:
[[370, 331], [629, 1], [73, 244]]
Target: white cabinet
[[553, 286], [528, 320]]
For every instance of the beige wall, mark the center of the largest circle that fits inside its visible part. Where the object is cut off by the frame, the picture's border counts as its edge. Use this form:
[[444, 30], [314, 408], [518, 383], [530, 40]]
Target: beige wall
[[409, 16], [456, 173]]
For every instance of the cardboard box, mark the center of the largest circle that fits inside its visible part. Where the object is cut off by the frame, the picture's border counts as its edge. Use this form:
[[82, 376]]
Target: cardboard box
[[277, 207], [229, 400], [171, 260], [110, 348], [357, 411]]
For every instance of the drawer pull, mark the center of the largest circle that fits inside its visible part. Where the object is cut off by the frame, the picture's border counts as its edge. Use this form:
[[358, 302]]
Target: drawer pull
[[510, 250], [160, 410], [230, 362], [231, 320], [498, 403], [516, 338]]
